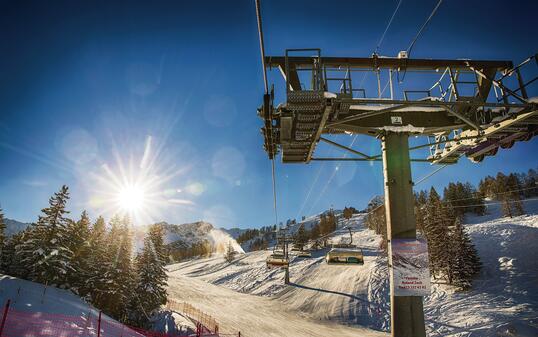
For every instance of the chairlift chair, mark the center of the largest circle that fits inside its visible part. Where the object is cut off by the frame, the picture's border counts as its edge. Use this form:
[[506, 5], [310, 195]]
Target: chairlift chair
[[277, 260], [345, 256], [304, 253]]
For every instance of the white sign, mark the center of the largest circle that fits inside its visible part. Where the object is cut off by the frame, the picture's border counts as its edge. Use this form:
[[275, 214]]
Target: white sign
[[410, 267], [396, 120]]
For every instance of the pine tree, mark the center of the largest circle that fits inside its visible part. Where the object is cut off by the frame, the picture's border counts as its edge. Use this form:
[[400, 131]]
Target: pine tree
[[98, 262], [229, 256], [323, 225], [45, 249], [11, 261], [315, 232], [331, 222], [301, 237], [436, 219], [466, 262], [78, 233], [514, 185], [348, 212], [420, 204], [530, 184], [151, 278], [119, 274]]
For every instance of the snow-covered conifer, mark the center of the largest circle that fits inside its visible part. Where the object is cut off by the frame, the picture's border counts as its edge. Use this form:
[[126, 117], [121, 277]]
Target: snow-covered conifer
[[119, 274], [229, 256], [465, 258], [45, 250], [151, 278], [78, 233], [97, 281]]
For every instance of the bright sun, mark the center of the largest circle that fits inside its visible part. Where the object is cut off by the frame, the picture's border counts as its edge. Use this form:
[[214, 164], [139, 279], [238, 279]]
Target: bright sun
[[131, 198], [138, 186]]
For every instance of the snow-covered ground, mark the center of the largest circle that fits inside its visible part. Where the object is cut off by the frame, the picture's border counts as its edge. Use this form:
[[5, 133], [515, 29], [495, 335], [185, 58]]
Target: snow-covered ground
[[504, 298], [322, 300], [38, 310], [247, 296]]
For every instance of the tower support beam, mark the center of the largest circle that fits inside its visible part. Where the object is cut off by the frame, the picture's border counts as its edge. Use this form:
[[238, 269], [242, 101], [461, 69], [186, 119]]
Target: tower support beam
[[407, 314]]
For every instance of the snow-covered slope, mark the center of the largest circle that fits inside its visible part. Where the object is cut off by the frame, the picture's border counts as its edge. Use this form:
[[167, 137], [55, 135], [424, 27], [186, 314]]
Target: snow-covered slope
[[503, 301], [351, 296], [185, 235], [504, 298], [50, 311], [57, 312], [234, 232]]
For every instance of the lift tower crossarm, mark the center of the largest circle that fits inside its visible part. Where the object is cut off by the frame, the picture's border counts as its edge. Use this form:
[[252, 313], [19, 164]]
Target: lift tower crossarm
[[302, 62]]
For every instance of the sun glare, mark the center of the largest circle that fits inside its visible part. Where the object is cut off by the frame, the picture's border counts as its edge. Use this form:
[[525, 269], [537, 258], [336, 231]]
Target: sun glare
[[140, 186], [131, 198]]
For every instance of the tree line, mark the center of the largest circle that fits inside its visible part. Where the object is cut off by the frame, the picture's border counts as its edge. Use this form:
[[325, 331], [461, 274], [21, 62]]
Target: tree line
[[259, 238], [453, 258], [179, 251], [94, 260], [510, 189], [327, 224]]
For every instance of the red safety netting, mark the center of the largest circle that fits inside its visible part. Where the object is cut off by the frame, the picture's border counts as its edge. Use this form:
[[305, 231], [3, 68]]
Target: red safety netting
[[20, 323], [31, 324]]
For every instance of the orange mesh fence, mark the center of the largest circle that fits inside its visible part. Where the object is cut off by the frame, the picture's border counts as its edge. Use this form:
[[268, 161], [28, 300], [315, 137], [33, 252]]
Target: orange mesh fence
[[209, 324]]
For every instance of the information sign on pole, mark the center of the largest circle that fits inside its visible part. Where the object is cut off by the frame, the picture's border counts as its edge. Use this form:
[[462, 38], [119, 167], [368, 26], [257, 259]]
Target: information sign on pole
[[410, 266]]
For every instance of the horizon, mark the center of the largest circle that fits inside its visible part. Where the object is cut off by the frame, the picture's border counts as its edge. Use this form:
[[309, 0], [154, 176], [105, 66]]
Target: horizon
[[114, 99]]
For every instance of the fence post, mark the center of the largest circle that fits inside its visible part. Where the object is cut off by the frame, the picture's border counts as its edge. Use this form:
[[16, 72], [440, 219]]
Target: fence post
[[4, 317], [98, 325]]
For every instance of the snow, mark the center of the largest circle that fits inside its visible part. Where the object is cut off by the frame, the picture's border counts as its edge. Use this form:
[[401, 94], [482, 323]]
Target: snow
[[254, 315], [405, 128], [504, 297], [323, 300], [340, 300], [34, 297], [368, 107], [190, 233]]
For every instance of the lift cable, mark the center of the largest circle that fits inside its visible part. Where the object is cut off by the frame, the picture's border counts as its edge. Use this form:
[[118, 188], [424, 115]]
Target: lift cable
[[387, 28], [417, 36], [430, 174], [274, 190], [422, 28], [355, 137], [262, 46], [488, 203], [265, 82]]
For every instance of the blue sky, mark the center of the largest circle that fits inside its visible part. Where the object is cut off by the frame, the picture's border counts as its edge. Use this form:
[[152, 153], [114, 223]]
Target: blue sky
[[90, 85]]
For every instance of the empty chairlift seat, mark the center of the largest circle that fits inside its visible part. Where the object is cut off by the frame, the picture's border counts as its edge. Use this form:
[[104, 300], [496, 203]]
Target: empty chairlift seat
[[277, 260], [304, 253], [345, 256]]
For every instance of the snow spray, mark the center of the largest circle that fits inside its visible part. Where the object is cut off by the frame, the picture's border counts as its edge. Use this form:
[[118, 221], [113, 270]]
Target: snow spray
[[221, 239]]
